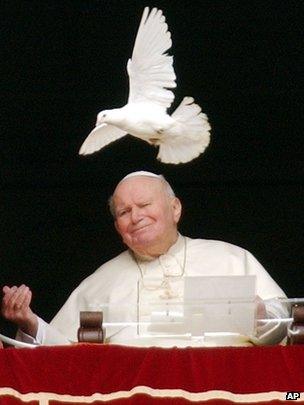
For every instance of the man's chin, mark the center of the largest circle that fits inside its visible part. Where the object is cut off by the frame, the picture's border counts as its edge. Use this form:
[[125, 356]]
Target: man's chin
[[141, 240]]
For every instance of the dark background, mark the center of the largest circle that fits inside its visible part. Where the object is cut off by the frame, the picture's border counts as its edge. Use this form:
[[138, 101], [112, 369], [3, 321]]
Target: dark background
[[64, 61]]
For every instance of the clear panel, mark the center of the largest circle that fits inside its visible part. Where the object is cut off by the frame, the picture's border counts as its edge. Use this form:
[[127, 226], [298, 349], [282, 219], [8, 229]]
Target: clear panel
[[166, 314]]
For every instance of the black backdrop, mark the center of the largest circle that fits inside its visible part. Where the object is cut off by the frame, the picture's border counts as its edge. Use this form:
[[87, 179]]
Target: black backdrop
[[64, 61]]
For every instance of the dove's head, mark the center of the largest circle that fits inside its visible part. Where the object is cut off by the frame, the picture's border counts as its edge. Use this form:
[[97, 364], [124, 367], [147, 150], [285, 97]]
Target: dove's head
[[146, 214], [113, 116], [102, 117]]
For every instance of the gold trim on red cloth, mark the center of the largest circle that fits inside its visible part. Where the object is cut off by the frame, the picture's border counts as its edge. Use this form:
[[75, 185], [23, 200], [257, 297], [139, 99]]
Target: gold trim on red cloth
[[43, 398]]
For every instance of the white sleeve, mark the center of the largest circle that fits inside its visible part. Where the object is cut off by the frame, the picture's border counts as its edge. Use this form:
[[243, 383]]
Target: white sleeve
[[271, 332], [24, 337], [46, 334], [274, 330]]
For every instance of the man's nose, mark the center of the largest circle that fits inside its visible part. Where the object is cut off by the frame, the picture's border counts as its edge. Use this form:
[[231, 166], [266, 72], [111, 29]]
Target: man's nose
[[136, 215]]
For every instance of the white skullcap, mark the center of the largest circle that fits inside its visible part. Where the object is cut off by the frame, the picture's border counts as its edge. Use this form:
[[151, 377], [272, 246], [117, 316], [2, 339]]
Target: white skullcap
[[141, 173]]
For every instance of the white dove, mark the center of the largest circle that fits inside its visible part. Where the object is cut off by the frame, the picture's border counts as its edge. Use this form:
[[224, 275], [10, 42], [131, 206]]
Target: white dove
[[182, 136]]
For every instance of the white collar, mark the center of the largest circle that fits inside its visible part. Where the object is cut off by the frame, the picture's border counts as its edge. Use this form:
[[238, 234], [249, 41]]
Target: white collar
[[177, 247]]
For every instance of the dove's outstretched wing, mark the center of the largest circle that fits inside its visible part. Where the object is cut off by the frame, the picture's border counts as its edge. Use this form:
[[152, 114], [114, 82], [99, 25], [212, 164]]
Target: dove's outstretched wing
[[150, 69], [100, 137]]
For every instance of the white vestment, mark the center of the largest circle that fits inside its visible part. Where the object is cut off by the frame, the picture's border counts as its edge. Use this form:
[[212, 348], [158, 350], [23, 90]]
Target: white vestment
[[116, 283]]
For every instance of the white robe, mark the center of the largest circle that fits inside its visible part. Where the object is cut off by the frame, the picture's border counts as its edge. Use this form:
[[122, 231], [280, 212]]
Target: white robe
[[116, 283]]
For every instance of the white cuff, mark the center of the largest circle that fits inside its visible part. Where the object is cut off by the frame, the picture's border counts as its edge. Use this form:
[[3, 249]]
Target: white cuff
[[38, 339]]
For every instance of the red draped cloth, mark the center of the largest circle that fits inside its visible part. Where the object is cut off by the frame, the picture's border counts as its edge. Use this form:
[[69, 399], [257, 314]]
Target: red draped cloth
[[98, 374]]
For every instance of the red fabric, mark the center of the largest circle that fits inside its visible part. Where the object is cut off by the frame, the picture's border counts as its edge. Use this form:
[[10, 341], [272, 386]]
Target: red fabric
[[7, 400], [88, 369]]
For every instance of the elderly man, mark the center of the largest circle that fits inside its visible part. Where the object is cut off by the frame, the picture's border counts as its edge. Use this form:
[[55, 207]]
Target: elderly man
[[146, 213]]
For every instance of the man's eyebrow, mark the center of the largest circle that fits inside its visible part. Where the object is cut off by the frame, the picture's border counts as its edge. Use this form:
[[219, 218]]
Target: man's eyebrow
[[120, 206], [145, 198]]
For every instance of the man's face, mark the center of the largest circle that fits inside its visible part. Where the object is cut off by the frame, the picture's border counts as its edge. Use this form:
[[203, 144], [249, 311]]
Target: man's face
[[146, 217]]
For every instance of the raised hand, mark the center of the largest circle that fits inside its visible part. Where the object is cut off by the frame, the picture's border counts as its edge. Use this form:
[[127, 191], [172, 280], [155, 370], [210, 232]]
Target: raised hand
[[16, 308]]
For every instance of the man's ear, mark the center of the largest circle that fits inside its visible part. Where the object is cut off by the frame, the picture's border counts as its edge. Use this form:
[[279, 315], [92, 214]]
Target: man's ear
[[177, 209]]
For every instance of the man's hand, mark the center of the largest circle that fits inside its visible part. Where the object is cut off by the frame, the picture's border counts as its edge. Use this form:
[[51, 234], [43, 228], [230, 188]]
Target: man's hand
[[16, 308]]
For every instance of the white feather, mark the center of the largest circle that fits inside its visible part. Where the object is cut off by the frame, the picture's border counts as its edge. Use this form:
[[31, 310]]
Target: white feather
[[150, 69], [101, 136], [191, 134]]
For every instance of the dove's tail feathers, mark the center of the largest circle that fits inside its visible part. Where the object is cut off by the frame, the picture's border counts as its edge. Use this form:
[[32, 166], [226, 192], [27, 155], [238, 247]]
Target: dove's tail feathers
[[180, 152], [187, 110], [101, 136], [193, 123], [192, 134]]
